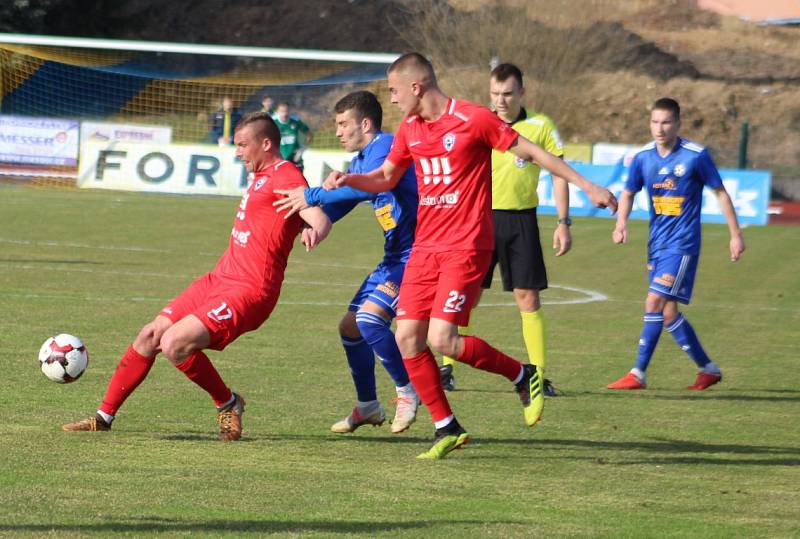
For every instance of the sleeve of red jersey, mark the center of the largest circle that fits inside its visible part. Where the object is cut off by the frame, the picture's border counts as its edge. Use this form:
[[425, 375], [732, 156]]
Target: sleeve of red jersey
[[492, 130], [289, 176], [399, 154]]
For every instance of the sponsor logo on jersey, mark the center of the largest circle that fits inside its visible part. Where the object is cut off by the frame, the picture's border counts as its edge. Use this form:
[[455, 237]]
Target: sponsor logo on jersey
[[664, 170], [385, 218], [668, 183], [445, 200], [667, 205], [449, 141], [412, 144], [436, 170], [679, 170], [240, 237]]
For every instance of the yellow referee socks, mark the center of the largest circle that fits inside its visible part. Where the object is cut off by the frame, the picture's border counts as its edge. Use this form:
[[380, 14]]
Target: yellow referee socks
[[462, 330], [533, 332]]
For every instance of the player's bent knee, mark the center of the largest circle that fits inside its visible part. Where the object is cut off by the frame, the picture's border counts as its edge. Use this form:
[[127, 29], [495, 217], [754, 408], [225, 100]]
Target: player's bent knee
[[409, 343], [148, 339], [444, 344], [175, 347], [348, 327]]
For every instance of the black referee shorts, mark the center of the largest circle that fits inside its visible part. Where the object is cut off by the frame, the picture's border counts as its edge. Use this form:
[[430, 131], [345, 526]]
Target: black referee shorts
[[518, 250]]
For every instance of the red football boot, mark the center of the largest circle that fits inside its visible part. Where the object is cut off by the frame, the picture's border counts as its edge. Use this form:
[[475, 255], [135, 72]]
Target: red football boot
[[629, 381], [705, 380]]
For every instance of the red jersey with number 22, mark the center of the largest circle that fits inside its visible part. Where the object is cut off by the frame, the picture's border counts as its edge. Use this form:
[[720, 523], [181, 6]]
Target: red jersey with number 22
[[452, 156], [261, 239]]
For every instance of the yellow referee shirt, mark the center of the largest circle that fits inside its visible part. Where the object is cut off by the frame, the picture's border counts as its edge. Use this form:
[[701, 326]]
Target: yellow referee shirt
[[514, 181]]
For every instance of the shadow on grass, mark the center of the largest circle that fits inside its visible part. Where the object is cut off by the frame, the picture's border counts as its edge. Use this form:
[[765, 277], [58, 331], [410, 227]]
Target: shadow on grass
[[751, 395], [148, 525], [284, 437], [659, 445]]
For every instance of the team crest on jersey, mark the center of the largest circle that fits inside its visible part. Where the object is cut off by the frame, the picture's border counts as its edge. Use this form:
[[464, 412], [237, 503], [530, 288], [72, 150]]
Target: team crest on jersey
[[520, 162], [679, 170], [449, 141], [259, 183]]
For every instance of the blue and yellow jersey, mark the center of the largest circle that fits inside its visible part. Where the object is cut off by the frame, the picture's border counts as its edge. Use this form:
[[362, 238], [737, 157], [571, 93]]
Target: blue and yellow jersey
[[675, 188], [514, 181], [395, 210]]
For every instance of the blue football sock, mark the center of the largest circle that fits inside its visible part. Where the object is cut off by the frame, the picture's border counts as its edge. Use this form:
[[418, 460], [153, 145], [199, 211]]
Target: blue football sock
[[378, 334], [362, 367], [651, 331], [683, 333]]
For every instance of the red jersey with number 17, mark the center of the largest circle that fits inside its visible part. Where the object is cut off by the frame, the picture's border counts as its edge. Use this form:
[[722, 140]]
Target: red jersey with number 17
[[261, 239], [452, 156]]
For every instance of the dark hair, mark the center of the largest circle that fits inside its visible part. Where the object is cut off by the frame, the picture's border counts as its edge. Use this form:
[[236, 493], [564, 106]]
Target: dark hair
[[503, 72], [669, 104], [414, 61], [266, 129], [365, 105]]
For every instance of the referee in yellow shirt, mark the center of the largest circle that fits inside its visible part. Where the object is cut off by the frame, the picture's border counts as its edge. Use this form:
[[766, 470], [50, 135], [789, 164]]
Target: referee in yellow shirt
[[514, 202]]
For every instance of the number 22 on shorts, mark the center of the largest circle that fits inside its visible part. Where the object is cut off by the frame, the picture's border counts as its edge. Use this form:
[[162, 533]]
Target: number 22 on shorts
[[454, 302]]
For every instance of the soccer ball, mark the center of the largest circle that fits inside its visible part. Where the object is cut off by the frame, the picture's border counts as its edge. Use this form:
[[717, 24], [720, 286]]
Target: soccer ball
[[63, 358]]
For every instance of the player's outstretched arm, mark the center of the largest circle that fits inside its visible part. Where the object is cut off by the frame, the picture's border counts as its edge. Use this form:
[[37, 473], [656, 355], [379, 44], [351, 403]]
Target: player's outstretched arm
[[319, 225], [562, 238], [294, 201], [737, 240], [379, 180], [620, 233], [599, 196]]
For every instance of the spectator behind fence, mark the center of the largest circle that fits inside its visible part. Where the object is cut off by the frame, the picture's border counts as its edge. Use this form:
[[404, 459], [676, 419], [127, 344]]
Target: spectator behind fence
[[223, 122]]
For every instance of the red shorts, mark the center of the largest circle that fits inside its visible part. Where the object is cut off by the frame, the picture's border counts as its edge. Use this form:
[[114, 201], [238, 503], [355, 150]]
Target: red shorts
[[225, 309], [442, 285]]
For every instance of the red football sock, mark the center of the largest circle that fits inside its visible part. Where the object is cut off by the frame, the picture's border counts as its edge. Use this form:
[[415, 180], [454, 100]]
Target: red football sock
[[481, 355], [424, 375], [198, 368], [131, 370]]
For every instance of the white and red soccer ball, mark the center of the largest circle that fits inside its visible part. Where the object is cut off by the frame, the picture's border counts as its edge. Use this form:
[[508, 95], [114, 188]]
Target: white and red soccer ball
[[64, 358]]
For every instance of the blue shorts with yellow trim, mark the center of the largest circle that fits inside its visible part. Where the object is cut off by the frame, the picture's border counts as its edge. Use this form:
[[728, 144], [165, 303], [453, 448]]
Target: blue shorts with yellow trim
[[672, 275], [381, 287]]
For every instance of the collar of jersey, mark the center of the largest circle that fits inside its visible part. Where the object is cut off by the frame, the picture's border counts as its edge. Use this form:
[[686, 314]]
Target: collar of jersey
[[363, 151]]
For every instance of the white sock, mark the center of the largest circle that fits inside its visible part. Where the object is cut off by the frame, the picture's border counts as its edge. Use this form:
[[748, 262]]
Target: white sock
[[108, 418], [406, 391], [518, 379], [638, 373], [368, 405], [444, 422], [233, 398], [711, 368]]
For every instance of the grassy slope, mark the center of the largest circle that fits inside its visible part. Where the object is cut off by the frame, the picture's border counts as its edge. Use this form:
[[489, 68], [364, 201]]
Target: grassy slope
[[663, 462]]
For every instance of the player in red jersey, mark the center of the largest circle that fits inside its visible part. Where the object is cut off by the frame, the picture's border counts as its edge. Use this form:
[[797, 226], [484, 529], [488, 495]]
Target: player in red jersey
[[237, 296], [450, 142]]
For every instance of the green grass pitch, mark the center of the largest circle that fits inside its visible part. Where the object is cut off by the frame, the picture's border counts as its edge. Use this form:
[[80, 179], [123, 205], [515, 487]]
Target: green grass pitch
[[665, 462]]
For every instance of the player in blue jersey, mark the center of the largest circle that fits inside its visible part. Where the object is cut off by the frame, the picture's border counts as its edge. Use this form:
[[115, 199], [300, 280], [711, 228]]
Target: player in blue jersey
[[365, 328], [674, 172]]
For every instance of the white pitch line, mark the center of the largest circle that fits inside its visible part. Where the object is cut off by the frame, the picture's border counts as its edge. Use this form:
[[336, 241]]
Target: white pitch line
[[591, 296], [73, 245]]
